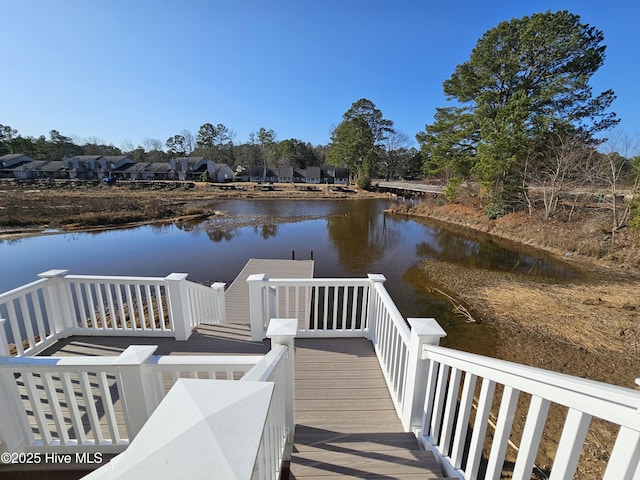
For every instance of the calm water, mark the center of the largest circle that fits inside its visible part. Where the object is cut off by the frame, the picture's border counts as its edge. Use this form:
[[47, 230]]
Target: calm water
[[348, 239]]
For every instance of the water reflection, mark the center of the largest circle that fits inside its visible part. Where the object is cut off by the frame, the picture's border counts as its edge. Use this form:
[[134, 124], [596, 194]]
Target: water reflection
[[485, 253], [267, 231], [361, 236], [349, 239]]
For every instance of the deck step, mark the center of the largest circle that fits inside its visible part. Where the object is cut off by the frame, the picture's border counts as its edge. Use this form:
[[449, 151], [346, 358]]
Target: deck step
[[346, 463]]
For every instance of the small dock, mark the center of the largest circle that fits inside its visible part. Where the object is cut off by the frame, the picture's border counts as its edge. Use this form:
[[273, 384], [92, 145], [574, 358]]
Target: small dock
[[237, 295]]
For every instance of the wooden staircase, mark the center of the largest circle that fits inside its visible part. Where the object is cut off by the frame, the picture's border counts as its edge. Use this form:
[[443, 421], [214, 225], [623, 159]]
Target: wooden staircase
[[347, 426]]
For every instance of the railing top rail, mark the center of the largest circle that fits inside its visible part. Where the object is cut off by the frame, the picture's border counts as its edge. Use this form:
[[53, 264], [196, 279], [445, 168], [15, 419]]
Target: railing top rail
[[590, 396], [206, 359], [262, 371], [197, 285], [402, 327], [22, 289], [114, 278], [80, 361], [320, 281], [55, 363]]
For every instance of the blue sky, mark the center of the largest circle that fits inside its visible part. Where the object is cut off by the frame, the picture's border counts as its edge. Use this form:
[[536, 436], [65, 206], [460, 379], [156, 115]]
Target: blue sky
[[126, 70]]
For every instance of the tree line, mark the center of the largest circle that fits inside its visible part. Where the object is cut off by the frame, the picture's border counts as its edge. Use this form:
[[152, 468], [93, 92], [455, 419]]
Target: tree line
[[387, 157], [523, 123], [215, 142]]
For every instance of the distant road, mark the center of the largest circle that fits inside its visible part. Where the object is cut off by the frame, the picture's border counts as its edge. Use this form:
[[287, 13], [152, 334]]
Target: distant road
[[411, 187]]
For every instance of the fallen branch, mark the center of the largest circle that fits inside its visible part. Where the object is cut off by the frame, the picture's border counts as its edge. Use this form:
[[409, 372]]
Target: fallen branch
[[457, 307]]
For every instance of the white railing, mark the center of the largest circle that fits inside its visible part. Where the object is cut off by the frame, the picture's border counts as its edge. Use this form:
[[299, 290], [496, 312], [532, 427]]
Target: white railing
[[433, 388], [398, 346], [220, 428], [456, 380], [350, 307], [323, 307], [94, 403], [445, 396], [60, 305]]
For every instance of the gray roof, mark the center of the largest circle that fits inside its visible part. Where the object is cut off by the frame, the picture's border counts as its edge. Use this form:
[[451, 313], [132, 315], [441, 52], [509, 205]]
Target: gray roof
[[159, 167], [32, 165], [11, 156], [12, 159], [53, 166], [191, 160], [87, 158], [115, 158]]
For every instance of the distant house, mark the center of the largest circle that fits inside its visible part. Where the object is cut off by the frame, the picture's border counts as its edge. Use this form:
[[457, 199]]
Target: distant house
[[160, 171], [242, 174], [262, 174], [83, 167], [14, 160], [11, 161], [27, 171], [191, 168], [299, 175], [328, 174], [222, 173], [109, 165], [313, 175], [52, 170], [130, 171], [285, 174], [341, 176]]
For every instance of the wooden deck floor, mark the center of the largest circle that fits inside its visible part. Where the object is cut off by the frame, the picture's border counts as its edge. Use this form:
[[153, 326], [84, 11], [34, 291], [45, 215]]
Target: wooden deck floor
[[346, 424], [237, 294]]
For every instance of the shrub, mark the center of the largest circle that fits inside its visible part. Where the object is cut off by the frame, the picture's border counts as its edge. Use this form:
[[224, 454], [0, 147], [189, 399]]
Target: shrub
[[495, 209], [363, 182]]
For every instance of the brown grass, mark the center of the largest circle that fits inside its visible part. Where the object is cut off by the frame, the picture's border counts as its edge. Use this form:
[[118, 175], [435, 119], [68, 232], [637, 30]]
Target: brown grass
[[584, 237]]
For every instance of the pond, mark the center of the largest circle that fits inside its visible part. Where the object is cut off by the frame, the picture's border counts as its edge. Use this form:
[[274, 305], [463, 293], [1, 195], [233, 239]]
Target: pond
[[347, 238]]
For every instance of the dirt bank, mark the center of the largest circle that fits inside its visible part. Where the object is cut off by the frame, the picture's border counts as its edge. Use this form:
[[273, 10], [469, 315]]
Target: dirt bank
[[588, 328], [33, 208], [579, 238]]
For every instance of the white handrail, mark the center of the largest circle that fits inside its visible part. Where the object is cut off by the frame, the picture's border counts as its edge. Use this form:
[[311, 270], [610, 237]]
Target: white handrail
[[324, 307], [76, 402], [391, 342], [29, 325], [178, 440], [451, 386], [59, 305]]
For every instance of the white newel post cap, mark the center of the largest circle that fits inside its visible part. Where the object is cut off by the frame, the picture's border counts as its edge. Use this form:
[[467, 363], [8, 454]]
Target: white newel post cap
[[136, 354], [176, 276], [282, 328], [428, 328], [53, 273], [377, 277]]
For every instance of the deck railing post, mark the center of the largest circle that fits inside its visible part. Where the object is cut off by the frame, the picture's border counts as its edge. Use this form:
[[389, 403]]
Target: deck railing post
[[15, 431], [57, 302], [137, 386], [218, 290], [4, 343], [178, 304], [424, 331], [374, 279], [257, 306], [282, 331]]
